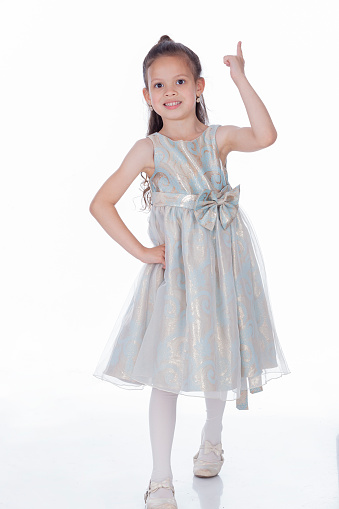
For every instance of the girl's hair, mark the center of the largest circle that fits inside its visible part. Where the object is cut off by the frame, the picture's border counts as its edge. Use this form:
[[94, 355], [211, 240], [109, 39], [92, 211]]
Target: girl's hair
[[167, 47]]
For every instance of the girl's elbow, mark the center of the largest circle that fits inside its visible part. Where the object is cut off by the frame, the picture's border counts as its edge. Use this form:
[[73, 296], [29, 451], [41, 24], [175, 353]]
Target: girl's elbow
[[93, 207], [271, 139], [274, 137]]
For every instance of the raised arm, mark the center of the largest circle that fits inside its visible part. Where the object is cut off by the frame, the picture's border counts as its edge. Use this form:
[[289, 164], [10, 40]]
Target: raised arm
[[102, 207], [262, 132]]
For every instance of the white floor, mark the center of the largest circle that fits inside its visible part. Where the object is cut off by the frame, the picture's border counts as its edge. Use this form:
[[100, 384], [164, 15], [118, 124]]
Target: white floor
[[91, 450]]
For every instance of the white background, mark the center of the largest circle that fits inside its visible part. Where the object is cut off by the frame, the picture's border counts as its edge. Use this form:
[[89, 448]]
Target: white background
[[71, 108]]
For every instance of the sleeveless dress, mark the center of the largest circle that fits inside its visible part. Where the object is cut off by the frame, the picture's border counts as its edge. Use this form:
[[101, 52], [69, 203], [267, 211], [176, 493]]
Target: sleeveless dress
[[203, 326]]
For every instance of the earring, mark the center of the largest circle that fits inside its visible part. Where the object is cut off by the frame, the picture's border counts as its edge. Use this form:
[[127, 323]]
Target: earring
[[150, 107], [198, 99]]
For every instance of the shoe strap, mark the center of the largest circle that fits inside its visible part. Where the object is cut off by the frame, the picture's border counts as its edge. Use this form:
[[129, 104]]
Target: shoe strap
[[207, 447], [154, 485], [166, 483]]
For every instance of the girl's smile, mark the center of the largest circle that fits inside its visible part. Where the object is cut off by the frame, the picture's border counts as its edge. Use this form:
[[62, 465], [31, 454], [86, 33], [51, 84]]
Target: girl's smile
[[172, 105]]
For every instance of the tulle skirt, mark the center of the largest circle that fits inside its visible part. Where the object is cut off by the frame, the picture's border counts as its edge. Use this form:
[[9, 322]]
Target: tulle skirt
[[203, 326]]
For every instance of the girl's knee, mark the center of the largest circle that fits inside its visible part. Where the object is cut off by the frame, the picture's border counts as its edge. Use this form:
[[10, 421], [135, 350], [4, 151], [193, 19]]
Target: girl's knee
[[165, 394]]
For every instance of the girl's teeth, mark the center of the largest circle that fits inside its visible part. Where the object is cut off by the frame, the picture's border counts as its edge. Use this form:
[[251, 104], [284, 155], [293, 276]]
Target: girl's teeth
[[172, 104]]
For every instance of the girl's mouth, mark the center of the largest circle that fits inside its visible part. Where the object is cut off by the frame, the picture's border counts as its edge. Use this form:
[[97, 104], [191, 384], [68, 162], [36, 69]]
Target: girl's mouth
[[172, 105]]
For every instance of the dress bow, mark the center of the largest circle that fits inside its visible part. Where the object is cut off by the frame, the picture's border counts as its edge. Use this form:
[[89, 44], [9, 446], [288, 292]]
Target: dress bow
[[210, 202], [217, 449]]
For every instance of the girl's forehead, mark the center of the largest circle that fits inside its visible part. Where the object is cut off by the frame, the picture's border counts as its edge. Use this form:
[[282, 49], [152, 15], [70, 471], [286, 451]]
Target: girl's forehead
[[168, 66]]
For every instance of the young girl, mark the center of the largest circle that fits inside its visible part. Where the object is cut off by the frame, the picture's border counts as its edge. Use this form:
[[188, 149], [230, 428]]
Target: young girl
[[198, 318]]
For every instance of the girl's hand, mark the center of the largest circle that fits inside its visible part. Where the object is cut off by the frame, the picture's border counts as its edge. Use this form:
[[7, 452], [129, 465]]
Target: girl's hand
[[236, 63], [154, 255]]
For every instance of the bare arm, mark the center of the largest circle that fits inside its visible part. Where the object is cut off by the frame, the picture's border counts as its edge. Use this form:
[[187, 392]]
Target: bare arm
[[262, 132], [102, 207]]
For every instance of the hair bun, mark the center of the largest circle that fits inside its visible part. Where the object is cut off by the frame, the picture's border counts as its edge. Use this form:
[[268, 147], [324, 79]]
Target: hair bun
[[164, 38]]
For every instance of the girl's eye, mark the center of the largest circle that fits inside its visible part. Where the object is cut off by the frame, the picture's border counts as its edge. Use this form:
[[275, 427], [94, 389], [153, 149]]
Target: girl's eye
[[180, 79]]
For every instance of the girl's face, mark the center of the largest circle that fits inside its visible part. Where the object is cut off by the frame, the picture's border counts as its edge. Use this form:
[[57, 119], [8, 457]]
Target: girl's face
[[170, 80]]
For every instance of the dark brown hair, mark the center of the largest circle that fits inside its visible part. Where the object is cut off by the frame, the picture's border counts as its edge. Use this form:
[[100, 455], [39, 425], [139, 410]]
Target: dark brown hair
[[167, 47]]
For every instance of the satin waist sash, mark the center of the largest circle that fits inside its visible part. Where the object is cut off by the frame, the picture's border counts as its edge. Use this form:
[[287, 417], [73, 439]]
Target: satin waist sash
[[207, 205]]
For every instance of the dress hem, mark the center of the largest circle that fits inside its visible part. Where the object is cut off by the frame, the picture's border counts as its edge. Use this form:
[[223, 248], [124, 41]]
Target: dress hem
[[242, 401]]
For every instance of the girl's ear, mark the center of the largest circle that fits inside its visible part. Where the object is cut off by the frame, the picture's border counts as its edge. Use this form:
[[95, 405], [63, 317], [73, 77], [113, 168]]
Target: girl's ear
[[200, 84], [146, 95]]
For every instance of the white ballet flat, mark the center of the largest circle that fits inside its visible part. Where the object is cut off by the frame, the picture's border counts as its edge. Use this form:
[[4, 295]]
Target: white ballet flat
[[160, 503], [202, 468]]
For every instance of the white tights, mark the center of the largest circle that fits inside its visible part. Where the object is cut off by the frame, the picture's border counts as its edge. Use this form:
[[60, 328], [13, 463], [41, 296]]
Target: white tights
[[162, 419]]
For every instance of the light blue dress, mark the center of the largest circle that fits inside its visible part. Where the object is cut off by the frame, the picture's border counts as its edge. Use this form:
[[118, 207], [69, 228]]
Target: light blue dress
[[203, 326]]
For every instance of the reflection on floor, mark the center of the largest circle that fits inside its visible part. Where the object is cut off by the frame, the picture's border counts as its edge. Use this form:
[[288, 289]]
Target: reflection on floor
[[90, 449]]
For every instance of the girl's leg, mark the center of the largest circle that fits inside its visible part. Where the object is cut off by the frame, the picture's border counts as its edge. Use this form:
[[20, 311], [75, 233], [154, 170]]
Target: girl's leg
[[162, 419], [213, 426]]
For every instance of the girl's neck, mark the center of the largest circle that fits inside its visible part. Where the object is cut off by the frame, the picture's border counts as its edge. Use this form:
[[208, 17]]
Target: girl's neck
[[188, 131]]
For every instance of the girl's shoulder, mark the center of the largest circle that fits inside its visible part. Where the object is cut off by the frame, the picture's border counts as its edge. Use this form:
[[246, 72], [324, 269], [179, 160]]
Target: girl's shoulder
[[143, 151]]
